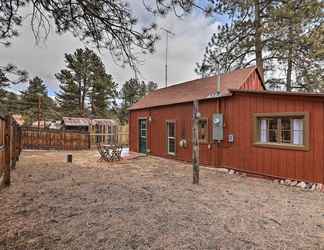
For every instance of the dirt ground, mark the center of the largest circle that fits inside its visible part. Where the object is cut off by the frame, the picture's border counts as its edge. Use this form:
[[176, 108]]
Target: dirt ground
[[150, 203]]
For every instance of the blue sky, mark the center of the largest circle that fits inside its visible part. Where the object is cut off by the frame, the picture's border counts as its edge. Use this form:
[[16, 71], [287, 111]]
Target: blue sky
[[192, 34]]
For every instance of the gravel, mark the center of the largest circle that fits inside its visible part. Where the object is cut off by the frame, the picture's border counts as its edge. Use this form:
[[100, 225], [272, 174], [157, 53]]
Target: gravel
[[150, 203]]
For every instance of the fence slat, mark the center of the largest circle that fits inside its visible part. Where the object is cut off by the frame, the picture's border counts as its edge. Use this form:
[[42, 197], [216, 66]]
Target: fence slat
[[34, 138], [6, 171]]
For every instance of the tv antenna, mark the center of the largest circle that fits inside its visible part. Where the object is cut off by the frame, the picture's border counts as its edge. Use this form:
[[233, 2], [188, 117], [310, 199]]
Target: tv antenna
[[171, 34]]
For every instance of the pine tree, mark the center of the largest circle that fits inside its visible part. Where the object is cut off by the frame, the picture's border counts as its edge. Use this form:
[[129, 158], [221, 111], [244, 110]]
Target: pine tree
[[151, 86], [9, 102], [239, 43], [84, 82], [30, 97], [274, 35], [132, 91], [67, 97], [101, 96], [3, 84], [291, 43]]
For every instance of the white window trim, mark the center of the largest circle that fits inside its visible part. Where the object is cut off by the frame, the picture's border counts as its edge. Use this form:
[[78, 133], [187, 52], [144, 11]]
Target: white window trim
[[258, 138], [171, 137]]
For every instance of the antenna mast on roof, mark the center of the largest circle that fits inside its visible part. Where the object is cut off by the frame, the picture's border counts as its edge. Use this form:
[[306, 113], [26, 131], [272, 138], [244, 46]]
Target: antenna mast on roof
[[218, 87], [171, 34], [218, 81]]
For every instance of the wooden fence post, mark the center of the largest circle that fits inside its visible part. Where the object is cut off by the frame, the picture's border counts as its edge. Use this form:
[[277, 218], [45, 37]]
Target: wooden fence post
[[63, 139], [195, 143], [13, 144], [89, 134], [6, 174]]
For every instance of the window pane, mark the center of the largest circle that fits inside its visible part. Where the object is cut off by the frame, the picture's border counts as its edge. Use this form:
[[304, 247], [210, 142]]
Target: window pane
[[171, 145], [171, 130], [143, 132], [263, 130], [285, 136], [285, 133], [298, 131], [143, 124], [273, 135], [273, 123], [285, 123]]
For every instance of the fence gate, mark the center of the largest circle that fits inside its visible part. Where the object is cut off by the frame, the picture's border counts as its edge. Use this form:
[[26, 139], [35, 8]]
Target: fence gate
[[34, 138]]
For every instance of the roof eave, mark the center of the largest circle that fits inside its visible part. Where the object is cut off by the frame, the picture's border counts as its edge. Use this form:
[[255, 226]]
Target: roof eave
[[267, 92], [176, 103]]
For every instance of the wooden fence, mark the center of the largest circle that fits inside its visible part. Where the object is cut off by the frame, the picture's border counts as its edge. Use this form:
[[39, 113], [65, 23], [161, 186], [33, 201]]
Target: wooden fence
[[10, 147], [34, 138], [123, 135]]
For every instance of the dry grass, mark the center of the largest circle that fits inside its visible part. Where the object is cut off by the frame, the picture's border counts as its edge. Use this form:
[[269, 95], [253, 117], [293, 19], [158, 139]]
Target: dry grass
[[150, 203]]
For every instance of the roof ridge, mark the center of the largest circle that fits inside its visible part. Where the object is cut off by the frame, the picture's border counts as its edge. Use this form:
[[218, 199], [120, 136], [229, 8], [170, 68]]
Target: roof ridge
[[208, 77]]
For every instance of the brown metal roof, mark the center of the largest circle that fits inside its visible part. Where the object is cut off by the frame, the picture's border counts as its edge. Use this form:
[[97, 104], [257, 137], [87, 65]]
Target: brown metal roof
[[284, 93], [194, 90], [76, 121]]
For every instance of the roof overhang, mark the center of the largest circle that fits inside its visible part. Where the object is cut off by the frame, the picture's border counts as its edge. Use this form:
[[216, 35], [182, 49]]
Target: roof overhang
[[281, 93]]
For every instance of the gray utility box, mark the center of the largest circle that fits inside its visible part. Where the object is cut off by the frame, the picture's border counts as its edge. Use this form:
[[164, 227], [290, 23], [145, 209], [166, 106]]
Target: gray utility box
[[218, 127]]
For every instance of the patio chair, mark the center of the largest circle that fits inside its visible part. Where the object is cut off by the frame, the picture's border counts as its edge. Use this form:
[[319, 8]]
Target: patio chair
[[104, 154], [116, 152]]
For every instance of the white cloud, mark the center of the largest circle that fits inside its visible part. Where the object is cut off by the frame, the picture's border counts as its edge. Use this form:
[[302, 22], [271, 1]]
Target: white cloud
[[192, 33]]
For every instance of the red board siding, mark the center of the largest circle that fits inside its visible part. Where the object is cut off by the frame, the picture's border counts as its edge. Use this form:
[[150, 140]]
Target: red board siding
[[253, 82], [242, 155], [303, 165]]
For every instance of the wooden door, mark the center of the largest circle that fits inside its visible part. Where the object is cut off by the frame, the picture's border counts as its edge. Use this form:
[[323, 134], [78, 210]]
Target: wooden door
[[142, 135]]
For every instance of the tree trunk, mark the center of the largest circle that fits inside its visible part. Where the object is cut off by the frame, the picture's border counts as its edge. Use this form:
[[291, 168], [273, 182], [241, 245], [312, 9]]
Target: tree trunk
[[80, 100], [258, 38], [82, 104], [195, 144], [290, 55]]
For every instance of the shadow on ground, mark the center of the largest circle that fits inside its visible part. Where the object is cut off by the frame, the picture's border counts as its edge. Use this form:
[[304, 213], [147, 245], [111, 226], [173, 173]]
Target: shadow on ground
[[150, 203]]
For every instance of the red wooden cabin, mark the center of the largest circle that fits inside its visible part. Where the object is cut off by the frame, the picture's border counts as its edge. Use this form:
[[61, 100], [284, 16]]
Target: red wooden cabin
[[275, 134]]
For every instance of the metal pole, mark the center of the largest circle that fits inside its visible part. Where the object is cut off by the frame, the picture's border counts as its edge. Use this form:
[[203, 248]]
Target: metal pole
[[218, 80], [166, 60], [167, 33]]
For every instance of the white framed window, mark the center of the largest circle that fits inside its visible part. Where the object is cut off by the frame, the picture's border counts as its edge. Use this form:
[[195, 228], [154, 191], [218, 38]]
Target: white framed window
[[171, 137]]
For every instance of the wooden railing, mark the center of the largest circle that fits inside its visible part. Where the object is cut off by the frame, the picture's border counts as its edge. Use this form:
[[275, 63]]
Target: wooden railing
[[10, 147], [46, 139]]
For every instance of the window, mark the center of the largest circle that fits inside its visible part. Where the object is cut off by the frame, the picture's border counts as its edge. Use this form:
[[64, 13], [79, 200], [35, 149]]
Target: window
[[203, 131], [143, 129], [283, 130], [171, 138]]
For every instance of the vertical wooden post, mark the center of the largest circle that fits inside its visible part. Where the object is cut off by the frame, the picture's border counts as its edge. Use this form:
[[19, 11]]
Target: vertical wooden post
[[13, 144], [89, 140], [63, 139], [6, 175], [39, 112], [195, 143]]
